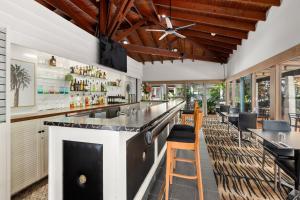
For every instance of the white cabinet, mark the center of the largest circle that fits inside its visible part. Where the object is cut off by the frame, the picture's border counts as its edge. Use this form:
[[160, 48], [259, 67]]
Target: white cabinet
[[25, 154], [29, 159]]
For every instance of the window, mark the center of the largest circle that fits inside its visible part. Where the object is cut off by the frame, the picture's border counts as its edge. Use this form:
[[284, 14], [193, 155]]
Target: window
[[290, 88]]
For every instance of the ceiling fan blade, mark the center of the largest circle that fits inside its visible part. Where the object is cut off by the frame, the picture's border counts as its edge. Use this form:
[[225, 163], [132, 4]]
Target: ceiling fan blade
[[163, 36], [168, 21], [183, 27], [179, 35], [156, 30]]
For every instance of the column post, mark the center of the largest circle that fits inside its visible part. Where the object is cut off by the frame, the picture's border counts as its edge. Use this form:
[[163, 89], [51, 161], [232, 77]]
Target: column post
[[242, 94]]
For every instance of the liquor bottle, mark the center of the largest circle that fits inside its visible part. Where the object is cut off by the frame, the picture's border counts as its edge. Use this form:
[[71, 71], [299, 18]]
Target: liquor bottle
[[81, 86], [72, 86]]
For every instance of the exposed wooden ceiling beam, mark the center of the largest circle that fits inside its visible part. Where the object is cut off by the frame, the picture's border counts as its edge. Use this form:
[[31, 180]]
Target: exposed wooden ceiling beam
[[217, 49], [210, 47], [88, 7], [213, 29], [259, 2], [152, 51], [213, 9], [83, 20], [126, 32], [144, 42], [139, 55], [156, 45], [119, 16], [102, 18], [147, 9], [214, 43], [208, 36], [47, 5], [291, 63], [201, 19]]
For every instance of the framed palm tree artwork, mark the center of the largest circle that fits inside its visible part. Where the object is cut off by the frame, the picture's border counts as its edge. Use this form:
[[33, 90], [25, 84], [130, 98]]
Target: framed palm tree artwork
[[22, 83]]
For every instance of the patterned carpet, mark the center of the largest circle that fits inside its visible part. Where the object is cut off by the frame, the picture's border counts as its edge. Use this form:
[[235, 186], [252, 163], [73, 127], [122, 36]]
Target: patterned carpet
[[238, 171]]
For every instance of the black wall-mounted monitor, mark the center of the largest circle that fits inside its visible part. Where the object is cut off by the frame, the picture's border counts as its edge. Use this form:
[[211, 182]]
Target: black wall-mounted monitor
[[112, 54]]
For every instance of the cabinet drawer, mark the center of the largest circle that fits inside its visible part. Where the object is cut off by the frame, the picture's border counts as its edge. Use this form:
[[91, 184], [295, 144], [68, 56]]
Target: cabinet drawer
[[140, 158]]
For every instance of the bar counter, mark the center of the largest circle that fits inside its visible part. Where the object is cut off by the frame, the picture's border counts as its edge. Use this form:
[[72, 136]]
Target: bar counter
[[110, 159]]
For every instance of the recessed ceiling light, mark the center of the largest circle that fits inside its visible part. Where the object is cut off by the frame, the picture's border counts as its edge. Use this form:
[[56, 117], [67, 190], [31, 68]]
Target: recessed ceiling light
[[175, 50], [163, 16], [125, 42], [213, 34], [29, 55]]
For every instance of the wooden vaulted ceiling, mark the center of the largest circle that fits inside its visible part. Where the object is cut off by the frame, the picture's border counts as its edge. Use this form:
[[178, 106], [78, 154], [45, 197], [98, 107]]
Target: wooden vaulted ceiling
[[229, 20]]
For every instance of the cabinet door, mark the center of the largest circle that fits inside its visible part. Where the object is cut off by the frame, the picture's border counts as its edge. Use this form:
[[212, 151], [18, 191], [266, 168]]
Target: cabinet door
[[43, 144], [25, 154]]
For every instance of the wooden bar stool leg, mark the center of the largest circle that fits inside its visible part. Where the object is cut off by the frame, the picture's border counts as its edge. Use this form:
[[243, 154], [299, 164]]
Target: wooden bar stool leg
[[174, 160], [168, 168], [183, 120], [199, 175], [172, 164]]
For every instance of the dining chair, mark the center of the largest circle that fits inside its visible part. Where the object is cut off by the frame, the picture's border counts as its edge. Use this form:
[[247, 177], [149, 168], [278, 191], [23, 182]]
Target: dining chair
[[224, 108], [289, 167], [274, 150], [184, 140], [233, 120], [294, 117], [246, 121]]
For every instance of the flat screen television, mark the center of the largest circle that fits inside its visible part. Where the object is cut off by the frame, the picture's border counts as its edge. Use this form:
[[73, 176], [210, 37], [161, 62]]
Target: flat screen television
[[112, 54]]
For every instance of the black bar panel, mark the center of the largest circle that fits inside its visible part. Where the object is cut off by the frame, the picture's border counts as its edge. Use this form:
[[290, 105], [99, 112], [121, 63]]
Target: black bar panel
[[140, 158], [82, 171]]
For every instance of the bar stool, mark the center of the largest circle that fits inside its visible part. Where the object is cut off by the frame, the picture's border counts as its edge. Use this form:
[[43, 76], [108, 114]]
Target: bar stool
[[188, 115], [184, 139]]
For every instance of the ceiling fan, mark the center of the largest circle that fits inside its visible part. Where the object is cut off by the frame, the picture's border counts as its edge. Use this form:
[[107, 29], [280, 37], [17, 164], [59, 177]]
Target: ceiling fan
[[170, 30]]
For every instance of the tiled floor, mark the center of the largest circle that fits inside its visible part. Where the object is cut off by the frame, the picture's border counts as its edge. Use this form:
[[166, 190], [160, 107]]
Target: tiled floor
[[180, 190]]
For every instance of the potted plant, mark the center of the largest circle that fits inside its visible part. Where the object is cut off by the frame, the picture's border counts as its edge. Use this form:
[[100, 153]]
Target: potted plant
[[147, 89]]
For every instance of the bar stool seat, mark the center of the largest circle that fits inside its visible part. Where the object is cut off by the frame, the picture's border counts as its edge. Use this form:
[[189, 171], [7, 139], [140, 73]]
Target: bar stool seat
[[188, 112], [187, 136], [182, 127]]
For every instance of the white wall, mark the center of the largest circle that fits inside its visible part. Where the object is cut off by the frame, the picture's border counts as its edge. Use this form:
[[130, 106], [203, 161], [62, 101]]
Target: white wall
[[188, 70], [278, 33], [34, 26]]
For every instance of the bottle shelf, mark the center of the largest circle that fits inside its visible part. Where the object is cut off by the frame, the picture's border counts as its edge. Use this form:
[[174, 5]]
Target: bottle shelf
[[87, 76]]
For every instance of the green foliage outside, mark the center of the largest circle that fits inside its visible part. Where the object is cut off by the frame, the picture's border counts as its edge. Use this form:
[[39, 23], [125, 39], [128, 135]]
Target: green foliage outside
[[214, 94]]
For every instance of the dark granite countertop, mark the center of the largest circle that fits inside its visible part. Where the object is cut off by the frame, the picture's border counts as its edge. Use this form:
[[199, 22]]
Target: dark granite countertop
[[134, 122]]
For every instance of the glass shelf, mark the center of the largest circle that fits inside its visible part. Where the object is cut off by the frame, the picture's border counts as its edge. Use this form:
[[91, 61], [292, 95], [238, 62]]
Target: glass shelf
[[86, 76], [88, 91], [55, 79], [47, 66], [53, 93]]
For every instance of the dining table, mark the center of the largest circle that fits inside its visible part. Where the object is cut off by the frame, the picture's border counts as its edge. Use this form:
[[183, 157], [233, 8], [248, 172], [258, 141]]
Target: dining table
[[284, 140], [234, 116]]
